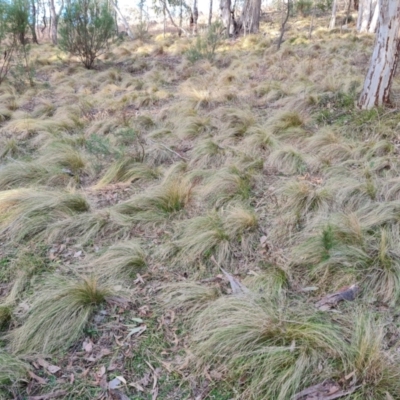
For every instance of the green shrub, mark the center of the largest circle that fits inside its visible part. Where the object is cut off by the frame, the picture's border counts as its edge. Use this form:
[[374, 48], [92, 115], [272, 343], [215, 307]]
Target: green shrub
[[86, 28], [205, 46]]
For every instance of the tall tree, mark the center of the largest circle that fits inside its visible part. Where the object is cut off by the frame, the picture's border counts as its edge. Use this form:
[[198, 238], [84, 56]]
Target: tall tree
[[32, 23], [249, 20], [383, 64], [226, 15], [54, 16], [210, 13], [374, 21], [123, 19], [332, 23], [365, 13], [194, 16]]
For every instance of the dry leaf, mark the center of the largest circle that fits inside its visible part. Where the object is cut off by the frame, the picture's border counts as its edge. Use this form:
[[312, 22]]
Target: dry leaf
[[87, 345], [113, 384], [53, 369], [43, 363]]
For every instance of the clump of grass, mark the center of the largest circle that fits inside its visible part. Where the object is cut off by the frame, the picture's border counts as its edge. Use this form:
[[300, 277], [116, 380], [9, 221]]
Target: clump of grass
[[128, 170], [82, 227], [64, 156], [237, 122], [59, 312], [12, 370], [9, 147], [225, 185], [25, 213], [288, 160], [207, 153], [375, 366], [5, 316], [189, 298], [276, 349], [157, 204], [287, 120], [302, 197], [216, 234], [126, 258], [383, 279]]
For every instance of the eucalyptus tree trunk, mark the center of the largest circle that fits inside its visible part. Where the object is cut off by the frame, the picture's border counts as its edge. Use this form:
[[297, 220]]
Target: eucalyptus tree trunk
[[210, 13], [383, 64], [54, 22], [123, 20], [332, 23], [249, 20], [194, 16], [374, 21], [364, 15], [33, 22], [226, 15]]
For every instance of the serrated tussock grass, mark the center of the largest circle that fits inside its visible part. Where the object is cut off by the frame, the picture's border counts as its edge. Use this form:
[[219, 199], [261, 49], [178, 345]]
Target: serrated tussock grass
[[28, 212], [58, 313]]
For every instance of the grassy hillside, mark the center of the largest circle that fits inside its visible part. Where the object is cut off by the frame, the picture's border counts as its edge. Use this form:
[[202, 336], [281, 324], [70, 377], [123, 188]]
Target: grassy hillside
[[123, 189]]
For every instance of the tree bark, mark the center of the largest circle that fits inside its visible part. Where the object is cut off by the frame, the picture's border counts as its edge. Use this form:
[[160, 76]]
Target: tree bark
[[364, 15], [54, 24], [284, 24], [332, 23], [249, 20], [377, 84], [374, 21], [194, 16], [210, 13], [32, 24], [225, 14], [123, 19]]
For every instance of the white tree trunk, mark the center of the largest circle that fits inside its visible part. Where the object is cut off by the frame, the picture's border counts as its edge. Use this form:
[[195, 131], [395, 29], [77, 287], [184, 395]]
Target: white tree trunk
[[384, 58], [374, 21], [364, 15], [123, 19], [250, 19], [225, 14], [333, 17], [54, 22]]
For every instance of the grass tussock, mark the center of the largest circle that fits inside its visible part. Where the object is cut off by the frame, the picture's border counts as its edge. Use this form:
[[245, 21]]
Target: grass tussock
[[12, 370], [157, 204], [127, 258], [58, 313], [28, 212], [275, 352], [217, 234], [128, 170]]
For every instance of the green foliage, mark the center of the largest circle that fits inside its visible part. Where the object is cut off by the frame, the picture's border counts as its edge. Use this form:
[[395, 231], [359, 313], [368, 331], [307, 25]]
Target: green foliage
[[17, 19], [86, 28], [205, 46], [14, 25], [304, 7]]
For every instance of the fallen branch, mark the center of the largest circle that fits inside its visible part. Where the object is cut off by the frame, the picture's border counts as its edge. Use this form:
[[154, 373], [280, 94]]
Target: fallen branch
[[169, 149]]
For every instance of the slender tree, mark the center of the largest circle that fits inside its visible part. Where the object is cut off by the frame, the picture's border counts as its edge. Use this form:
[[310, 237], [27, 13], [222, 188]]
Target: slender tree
[[194, 16], [377, 84], [123, 19], [332, 23], [226, 15], [210, 13], [54, 22]]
